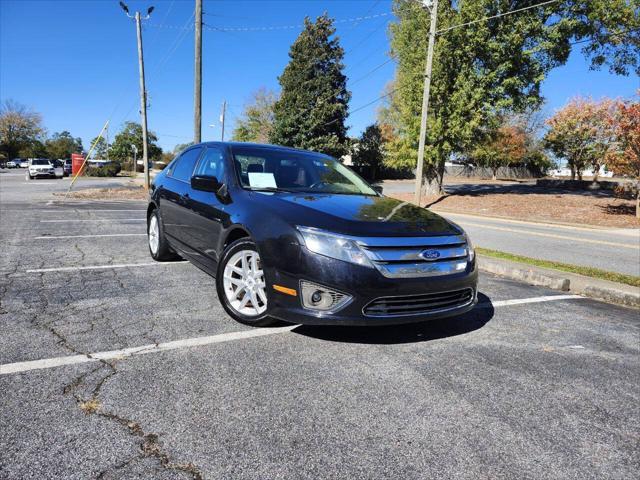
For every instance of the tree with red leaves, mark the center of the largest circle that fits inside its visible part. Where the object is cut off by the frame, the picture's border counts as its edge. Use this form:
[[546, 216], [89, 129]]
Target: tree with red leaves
[[625, 159], [582, 132]]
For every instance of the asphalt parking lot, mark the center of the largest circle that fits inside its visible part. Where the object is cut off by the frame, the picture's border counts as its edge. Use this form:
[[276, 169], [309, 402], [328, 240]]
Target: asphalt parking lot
[[116, 367]]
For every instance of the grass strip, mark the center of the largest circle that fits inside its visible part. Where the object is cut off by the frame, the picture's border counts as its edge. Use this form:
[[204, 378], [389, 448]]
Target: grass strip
[[564, 267]]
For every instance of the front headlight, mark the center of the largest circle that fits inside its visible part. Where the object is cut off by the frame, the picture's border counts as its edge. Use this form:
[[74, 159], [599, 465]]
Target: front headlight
[[334, 246]]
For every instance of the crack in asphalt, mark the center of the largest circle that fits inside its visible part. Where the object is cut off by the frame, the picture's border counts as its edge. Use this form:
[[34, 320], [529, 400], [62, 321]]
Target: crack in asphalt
[[89, 402]]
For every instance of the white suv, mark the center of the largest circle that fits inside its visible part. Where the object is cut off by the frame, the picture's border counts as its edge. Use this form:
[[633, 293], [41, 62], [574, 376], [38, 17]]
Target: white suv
[[42, 167]]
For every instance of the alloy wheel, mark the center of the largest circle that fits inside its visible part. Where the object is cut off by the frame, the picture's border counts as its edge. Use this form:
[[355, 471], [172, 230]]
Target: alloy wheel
[[244, 284], [154, 234]]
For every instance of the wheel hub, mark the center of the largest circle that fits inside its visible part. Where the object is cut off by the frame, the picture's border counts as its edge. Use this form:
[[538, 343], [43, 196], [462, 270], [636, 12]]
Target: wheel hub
[[244, 284]]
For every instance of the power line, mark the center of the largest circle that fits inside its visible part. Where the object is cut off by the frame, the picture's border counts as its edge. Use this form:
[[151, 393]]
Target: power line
[[275, 27], [577, 42], [484, 19]]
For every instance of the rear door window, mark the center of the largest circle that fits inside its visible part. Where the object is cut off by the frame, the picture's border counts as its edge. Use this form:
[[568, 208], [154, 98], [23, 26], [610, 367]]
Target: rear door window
[[184, 166]]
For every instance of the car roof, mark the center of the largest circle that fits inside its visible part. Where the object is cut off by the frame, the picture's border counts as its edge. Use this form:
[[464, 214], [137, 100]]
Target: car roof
[[266, 146]]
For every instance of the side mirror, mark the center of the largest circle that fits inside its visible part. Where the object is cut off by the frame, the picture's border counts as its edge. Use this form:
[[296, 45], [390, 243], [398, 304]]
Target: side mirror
[[205, 183], [377, 188]]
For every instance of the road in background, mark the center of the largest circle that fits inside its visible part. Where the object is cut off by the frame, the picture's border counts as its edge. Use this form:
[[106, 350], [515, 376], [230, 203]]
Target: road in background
[[15, 187], [613, 249], [616, 250]]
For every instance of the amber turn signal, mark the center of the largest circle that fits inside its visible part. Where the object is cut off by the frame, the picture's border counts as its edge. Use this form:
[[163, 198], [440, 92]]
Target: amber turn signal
[[288, 291]]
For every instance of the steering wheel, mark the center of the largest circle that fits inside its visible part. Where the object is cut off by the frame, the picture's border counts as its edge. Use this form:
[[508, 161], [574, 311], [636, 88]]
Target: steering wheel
[[317, 185]]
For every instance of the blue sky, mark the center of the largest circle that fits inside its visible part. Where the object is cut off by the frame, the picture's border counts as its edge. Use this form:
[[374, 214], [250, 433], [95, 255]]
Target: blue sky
[[76, 61]]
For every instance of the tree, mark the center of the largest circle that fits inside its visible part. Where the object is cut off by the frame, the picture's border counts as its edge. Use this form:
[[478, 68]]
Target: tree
[[582, 132], [20, 129], [367, 151], [625, 159], [312, 107], [506, 146], [494, 67], [62, 145], [33, 149], [256, 123], [532, 122], [131, 134], [100, 147]]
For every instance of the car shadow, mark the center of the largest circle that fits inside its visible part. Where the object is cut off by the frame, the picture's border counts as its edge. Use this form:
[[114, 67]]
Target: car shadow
[[409, 333]]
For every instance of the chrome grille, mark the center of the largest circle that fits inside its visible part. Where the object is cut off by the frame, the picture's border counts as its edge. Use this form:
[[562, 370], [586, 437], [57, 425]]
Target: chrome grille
[[410, 257], [418, 304]]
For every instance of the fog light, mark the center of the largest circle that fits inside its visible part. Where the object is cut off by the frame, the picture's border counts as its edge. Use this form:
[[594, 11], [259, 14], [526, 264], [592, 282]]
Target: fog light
[[320, 298]]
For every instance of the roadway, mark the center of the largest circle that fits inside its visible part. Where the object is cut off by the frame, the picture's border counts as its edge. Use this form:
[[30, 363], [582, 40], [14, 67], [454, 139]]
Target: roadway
[[616, 250]]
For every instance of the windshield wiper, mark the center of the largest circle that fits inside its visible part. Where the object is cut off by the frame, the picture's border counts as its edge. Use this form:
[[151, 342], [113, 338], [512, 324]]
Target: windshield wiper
[[271, 189]]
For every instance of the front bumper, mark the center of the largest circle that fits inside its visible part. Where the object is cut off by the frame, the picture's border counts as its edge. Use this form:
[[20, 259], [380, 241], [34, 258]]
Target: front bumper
[[36, 174], [365, 285]]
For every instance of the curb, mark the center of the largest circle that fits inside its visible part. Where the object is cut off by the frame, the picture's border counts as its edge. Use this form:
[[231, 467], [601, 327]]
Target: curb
[[603, 290]]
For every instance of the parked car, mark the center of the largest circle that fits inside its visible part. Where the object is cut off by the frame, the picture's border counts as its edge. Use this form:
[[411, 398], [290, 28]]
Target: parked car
[[13, 163], [68, 167], [296, 236], [24, 163], [43, 167]]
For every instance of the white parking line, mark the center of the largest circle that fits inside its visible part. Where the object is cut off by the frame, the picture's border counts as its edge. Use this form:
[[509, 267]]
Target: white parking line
[[103, 267], [522, 301], [47, 237], [91, 210], [95, 220], [18, 367], [128, 352]]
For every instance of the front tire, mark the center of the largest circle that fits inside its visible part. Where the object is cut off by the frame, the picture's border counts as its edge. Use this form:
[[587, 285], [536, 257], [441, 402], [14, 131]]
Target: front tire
[[158, 245], [241, 285]]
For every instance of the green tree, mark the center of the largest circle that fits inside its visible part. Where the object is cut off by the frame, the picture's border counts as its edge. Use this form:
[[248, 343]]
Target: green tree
[[62, 145], [100, 147], [33, 149], [131, 134], [495, 66], [20, 129], [256, 122], [368, 150], [312, 107]]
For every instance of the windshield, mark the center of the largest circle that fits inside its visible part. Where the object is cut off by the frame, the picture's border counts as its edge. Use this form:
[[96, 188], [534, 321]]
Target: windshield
[[290, 171], [40, 161]]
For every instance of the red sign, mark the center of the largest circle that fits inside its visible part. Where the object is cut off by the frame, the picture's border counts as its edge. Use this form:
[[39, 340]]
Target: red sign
[[77, 160]]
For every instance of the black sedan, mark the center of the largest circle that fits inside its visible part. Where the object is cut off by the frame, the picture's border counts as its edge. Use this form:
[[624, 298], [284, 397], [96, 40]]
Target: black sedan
[[296, 236]]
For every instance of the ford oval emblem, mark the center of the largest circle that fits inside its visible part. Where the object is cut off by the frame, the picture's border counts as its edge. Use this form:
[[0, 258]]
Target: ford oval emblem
[[430, 254]]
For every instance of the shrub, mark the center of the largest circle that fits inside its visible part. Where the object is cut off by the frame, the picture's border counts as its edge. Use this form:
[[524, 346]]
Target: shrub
[[109, 170]]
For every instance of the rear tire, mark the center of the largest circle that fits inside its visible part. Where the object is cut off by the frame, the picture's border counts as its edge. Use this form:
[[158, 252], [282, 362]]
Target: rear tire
[[243, 291], [158, 246]]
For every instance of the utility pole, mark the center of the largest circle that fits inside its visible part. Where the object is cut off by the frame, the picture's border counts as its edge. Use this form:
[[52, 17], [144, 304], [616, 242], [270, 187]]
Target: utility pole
[[222, 117], [197, 94], [432, 6], [107, 135], [143, 92]]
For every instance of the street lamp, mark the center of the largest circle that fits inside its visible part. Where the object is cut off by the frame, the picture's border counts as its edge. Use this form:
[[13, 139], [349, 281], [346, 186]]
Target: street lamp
[[135, 156]]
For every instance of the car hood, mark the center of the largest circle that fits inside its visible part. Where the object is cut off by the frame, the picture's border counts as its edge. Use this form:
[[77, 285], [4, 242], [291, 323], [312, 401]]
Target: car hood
[[358, 215]]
